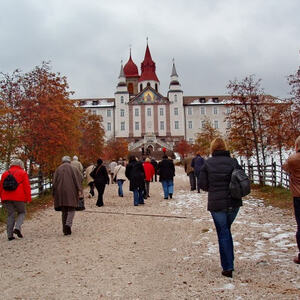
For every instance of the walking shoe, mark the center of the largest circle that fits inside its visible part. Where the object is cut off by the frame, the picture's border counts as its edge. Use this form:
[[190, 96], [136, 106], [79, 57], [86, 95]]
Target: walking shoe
[[227, 273], [170, 195], [166, 198], [68, 230], [11, 238], [18, 233], [297, 259]]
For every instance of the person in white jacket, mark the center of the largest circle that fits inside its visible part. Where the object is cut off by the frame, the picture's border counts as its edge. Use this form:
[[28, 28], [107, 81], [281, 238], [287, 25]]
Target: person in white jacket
[[119, 176]]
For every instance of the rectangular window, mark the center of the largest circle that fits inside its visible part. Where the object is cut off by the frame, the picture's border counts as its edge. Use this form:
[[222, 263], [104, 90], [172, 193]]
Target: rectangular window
[[228, 125], [216, 124], [95, 102], [190, 110], [176, 124], [202, 110], [122, 126], [190, 124], [108, 126], [162, 125], [108, 113], [122, 113], [149, 111], [122, 99], [228, 110], [161, 111], [136, 112], [215, 110], [176, 111], [202, 124], [137, 126], [94, 112], [191, 140]]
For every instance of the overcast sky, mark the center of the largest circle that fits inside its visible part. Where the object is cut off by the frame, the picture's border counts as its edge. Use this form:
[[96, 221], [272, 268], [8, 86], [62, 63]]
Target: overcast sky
[[212, 41]]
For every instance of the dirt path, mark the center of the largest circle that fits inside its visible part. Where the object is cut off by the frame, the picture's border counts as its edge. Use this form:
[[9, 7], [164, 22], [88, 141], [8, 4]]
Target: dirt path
[[166, 249]]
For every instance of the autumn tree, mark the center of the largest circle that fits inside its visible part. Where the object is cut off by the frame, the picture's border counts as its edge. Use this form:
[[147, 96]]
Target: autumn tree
[[204, 138], [92, 138], [294, 82], [116, 148], [10, 130], [247, 117], [49, 118], [183, 148]]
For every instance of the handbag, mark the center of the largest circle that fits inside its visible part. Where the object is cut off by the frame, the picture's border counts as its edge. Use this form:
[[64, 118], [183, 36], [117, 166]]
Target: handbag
[[80, 204], [115, 177]]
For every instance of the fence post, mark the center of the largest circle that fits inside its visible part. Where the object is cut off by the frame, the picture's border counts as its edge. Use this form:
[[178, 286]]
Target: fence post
[[40, 182]]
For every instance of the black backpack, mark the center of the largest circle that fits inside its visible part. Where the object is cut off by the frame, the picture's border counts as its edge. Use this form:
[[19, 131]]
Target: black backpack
[[10, 183], [239, 184]]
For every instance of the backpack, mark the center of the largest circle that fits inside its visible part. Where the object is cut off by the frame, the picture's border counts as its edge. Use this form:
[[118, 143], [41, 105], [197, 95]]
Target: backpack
[[10, 183], [239, 185]]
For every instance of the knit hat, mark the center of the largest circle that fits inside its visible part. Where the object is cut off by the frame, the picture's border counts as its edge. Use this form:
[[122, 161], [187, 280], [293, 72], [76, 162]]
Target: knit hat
[[99, 161]]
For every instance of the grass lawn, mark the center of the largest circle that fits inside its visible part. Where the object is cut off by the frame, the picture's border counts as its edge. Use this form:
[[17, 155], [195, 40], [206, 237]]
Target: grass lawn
[[274, 196]]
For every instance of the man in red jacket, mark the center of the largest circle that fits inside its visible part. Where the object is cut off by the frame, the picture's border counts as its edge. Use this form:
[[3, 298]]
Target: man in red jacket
[[149, 172], [292, 166], [14, 200]]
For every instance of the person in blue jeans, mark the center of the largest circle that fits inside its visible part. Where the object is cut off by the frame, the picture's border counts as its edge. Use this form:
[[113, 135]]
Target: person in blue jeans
[[136, 175], [215, 177], [120, 177], [166, 171]]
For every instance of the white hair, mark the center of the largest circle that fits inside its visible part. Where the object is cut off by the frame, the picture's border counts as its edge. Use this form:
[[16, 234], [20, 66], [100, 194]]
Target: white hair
[[75, 157], [17, 162], [66, 159]]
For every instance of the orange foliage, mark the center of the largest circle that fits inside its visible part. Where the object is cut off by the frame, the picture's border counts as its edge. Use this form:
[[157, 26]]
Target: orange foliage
[[183, 148], [116, 148]]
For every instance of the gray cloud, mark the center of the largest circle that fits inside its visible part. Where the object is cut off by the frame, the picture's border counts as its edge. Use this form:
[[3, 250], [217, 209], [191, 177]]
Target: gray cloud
[[212, 41]]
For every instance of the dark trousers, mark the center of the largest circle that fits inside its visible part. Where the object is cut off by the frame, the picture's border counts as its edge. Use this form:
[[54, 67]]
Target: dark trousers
[[297, 216], [197, 178], [100, 188], [192, 181], [91, 185], [67, 216]]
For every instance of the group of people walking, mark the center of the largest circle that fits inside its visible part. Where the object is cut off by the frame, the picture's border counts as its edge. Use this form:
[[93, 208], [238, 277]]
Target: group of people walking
[[212, 175]]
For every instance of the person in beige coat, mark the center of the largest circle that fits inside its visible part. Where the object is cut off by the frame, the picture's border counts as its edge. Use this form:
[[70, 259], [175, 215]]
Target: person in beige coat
[[90, 180], [66, 191], [292, 166], [120, 177]]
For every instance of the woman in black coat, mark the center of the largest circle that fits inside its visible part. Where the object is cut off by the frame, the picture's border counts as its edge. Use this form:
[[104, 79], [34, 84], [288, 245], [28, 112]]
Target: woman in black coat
[[136, 176], [166, 171], [101, 179], [215, 177]]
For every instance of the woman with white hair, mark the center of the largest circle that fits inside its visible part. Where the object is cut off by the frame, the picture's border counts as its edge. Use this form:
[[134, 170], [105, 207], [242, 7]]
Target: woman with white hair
[[14, 193]]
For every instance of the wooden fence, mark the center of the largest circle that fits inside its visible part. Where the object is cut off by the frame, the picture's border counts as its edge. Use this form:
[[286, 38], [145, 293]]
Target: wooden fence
[[39, 185], [271, 174]]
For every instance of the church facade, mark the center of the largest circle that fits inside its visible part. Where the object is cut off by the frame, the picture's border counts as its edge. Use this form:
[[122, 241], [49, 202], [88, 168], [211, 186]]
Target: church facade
[[148, 119]]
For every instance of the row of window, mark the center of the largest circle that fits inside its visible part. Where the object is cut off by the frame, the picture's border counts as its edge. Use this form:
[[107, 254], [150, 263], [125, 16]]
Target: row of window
[[162, 111], [176, 125]]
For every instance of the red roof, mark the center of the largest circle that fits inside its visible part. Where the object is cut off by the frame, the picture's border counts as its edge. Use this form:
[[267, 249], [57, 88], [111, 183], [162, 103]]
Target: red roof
[[130, 69], [148, 67]]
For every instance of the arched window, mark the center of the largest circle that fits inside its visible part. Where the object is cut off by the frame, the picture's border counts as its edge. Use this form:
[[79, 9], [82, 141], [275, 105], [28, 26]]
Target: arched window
[[122, 99], [156, 87], [141, 87], [175, 98], [148, 83], [130, 88]]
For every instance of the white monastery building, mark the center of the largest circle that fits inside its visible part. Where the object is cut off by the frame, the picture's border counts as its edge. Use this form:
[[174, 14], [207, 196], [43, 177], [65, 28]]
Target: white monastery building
[[146, 118]]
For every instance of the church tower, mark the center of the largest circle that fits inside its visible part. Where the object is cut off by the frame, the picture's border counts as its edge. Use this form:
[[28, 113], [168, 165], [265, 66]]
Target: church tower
[[175, 95], [148, 75], [132, 76], [121, 106]]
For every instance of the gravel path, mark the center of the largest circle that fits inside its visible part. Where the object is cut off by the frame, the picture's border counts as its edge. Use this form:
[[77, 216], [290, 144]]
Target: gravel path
[[166, 249]]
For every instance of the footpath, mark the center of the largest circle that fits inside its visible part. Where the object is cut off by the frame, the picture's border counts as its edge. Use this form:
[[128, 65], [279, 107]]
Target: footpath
[[165, 249]]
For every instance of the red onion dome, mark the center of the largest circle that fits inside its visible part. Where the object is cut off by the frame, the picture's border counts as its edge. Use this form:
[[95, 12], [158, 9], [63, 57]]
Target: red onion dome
[[130, 69]]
